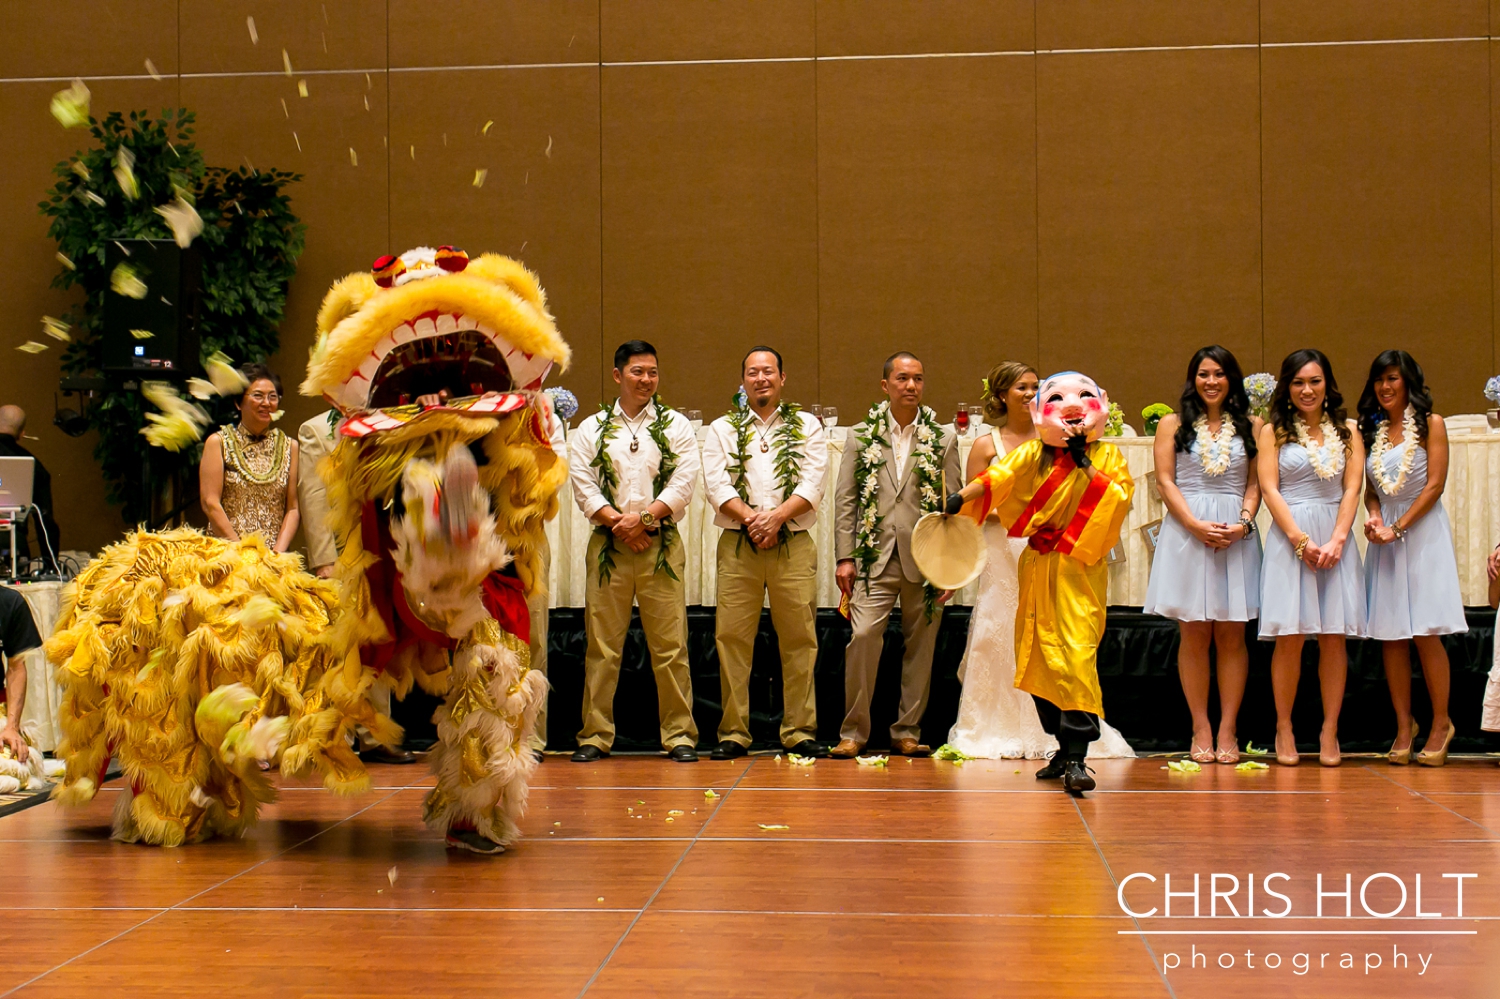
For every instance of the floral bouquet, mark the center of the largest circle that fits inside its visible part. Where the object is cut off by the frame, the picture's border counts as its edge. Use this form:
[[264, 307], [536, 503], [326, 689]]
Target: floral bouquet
[[564, 403], [1115, 425], [1259, 388], [1492, 390], [1152, 414]]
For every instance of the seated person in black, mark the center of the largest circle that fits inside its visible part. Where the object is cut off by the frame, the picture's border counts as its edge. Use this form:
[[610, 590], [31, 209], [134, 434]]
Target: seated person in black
[[17, 635], [12, 423]]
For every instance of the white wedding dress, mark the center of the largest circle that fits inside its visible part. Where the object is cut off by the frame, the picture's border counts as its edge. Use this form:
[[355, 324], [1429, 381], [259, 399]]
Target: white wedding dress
[[995, 719]]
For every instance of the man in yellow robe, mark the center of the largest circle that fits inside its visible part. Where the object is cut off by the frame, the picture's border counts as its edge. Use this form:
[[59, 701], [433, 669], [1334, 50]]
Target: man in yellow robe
[[1067, 493]]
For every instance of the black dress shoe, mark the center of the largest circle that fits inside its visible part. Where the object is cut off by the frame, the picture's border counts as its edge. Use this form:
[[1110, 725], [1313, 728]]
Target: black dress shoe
[[1076, 779], [541, 755], [385, 754], [1056, 764], [808, 747], [728, 750], [589, 754], [683, 754]]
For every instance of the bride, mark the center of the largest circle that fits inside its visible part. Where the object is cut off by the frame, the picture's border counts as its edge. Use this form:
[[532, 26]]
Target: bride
[[995, 720]]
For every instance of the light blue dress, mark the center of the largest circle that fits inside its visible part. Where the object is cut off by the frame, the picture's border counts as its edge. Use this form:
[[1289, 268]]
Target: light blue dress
[[1294, 598], [1411, 585], [1189, 580]]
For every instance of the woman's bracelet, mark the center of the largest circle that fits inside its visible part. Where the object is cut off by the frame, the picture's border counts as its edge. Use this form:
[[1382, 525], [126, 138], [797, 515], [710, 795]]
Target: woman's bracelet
[[1398, 531], [1302, 545], [1247, 524]]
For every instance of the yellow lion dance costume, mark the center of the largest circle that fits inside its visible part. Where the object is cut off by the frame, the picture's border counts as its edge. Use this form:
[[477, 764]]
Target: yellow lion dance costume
[[192, 660], [438, 493]]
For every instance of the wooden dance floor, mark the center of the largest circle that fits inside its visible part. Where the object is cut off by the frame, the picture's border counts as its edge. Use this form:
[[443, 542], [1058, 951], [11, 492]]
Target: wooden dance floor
[[924, 879]]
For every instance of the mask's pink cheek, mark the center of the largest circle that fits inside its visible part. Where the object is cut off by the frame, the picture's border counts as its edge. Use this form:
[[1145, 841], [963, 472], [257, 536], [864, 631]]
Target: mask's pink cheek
[[1049, 409], [1095, 405]]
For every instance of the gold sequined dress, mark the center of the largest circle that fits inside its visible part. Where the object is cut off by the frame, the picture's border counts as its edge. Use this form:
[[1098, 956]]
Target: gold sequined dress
[[256, 468]]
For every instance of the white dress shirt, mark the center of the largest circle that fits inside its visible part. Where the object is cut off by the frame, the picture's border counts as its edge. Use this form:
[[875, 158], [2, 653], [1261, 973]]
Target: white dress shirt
[[636, 469], [760, 469], [902, 439]]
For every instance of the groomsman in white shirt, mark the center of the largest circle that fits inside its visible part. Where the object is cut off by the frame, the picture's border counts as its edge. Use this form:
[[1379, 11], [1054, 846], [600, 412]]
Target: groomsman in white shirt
[[763, 469], [634, 466]]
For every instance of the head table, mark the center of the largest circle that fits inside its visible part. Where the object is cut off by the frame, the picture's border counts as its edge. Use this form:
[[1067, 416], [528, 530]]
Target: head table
[[1471, 494]]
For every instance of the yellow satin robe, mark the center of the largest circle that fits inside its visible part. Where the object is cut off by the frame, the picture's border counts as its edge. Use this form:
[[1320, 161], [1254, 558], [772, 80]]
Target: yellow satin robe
[[1063, 577]]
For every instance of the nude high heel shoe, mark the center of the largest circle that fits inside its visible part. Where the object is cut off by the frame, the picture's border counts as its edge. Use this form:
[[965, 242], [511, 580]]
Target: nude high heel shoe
[[1440, 757], [1402, 757]]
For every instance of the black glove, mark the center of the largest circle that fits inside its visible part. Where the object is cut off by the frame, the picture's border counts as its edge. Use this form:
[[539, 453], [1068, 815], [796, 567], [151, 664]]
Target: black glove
[[955, 503], [1078, 450]]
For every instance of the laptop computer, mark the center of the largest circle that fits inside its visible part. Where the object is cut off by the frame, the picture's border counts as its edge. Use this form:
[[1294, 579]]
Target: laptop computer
[[16, 478]]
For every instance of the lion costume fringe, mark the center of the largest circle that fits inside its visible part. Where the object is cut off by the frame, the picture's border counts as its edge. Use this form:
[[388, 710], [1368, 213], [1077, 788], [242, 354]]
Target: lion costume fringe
[[192, 660]]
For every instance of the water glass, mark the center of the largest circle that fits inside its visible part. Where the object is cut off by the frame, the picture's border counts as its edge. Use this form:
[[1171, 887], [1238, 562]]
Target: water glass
[[976, 419], [830, 417], [695, 417]]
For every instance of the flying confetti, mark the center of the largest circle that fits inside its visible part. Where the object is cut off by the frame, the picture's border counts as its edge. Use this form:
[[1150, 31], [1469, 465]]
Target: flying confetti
[[367, 102], [254, 38], [151, 70], [124, 280], [81, 169], [55, 328], [549, 147], [32, 347], [297, 141], [183, 219], [479, 176], [180, 424], [62, 258], [125, 173], [142, 334], [301, 88], [91, 197], [353, 157], [486, 129], [225, 377], [284, 109], [201, 388], [71, 106], [286, 62], [414, 154], [392, 874]]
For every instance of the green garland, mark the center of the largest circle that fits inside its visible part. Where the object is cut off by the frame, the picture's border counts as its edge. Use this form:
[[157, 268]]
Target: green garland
[[788, 460], [609, 480]]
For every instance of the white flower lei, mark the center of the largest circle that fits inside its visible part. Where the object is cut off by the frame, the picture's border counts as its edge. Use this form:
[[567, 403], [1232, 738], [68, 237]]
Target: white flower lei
[[869, 458], [1382, 444], [1325, 469], [1214, 449]]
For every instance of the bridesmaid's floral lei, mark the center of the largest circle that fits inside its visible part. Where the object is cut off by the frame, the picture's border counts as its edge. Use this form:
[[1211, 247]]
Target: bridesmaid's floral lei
[[869, 458], [1382, 444], [1214, 449], [1325, 468]]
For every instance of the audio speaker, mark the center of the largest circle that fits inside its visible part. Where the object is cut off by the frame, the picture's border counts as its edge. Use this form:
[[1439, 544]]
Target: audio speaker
[[157, 332]]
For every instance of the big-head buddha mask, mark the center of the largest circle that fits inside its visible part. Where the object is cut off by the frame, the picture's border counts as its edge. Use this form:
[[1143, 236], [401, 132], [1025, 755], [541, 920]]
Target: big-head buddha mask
[[1066, 401]]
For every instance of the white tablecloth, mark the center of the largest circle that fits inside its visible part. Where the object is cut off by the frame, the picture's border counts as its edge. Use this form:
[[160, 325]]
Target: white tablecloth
[[43, 694], [1471, 500]]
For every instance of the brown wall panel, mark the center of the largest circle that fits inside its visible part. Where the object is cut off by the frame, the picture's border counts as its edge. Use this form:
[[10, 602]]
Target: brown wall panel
[[927, 221], [538, 202], [710, 221], [495, 32], [1344, 20], [1377, 209], [1148, 215], [644, 30], [881, 27], [1086, 24], [40, 38], [27, 266], [343, 205], [330, 34]]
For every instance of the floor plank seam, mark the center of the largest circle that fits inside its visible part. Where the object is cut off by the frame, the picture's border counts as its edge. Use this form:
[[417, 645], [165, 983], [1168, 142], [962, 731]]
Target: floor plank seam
[[1145, 941], [131, 929], [688, 849], [1439, 804]]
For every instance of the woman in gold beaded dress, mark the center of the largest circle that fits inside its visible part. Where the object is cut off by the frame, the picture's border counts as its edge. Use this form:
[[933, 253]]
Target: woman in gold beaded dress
[[247, 479]]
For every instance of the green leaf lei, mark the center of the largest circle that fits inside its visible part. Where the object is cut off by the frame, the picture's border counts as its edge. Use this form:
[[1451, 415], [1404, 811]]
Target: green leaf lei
[[609, 480], [787, 459], [927, 466]]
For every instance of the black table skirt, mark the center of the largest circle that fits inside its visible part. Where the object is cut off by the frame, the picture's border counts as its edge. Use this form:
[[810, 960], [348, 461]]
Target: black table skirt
[[1137, 669]]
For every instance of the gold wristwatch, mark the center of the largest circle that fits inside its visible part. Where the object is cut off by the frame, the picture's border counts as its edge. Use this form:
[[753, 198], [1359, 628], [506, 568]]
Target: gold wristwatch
[[647, 520]]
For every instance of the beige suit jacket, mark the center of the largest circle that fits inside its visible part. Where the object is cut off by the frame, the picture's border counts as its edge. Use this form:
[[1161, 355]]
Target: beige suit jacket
[[898, 505], [315, 440]]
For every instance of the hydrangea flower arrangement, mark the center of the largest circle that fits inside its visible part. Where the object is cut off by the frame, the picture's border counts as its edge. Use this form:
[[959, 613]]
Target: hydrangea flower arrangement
[[1492, 390], [564, 403], [1152, 414], [1259, 388]]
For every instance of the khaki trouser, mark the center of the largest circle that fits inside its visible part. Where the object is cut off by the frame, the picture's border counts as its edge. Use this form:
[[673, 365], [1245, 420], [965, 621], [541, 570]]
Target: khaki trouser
[[536, 605], [869, 612], [746, 575], [663, 603]]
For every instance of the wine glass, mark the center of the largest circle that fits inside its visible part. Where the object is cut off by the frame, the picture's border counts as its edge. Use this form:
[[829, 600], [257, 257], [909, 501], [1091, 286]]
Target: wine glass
[[976, 419], [830, 417], [817, 412], [961, 419], [695, 417]]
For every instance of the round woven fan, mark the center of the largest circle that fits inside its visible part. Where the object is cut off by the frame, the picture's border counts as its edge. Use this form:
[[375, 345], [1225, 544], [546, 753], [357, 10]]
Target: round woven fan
[[949, 550]]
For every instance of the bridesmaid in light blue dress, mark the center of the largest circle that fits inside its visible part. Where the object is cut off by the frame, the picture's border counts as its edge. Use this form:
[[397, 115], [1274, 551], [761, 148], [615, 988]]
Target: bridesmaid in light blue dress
[[1411, 574], [1205, 573], [1311, 465]]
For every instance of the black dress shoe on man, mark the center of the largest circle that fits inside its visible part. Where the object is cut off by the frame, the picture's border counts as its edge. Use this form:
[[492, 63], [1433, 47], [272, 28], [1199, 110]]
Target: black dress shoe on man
[[728, 750], [589, 754], [683, 754], [385, 754], [1076, 779], [541, 755], [808, 747], [1056, 764]]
